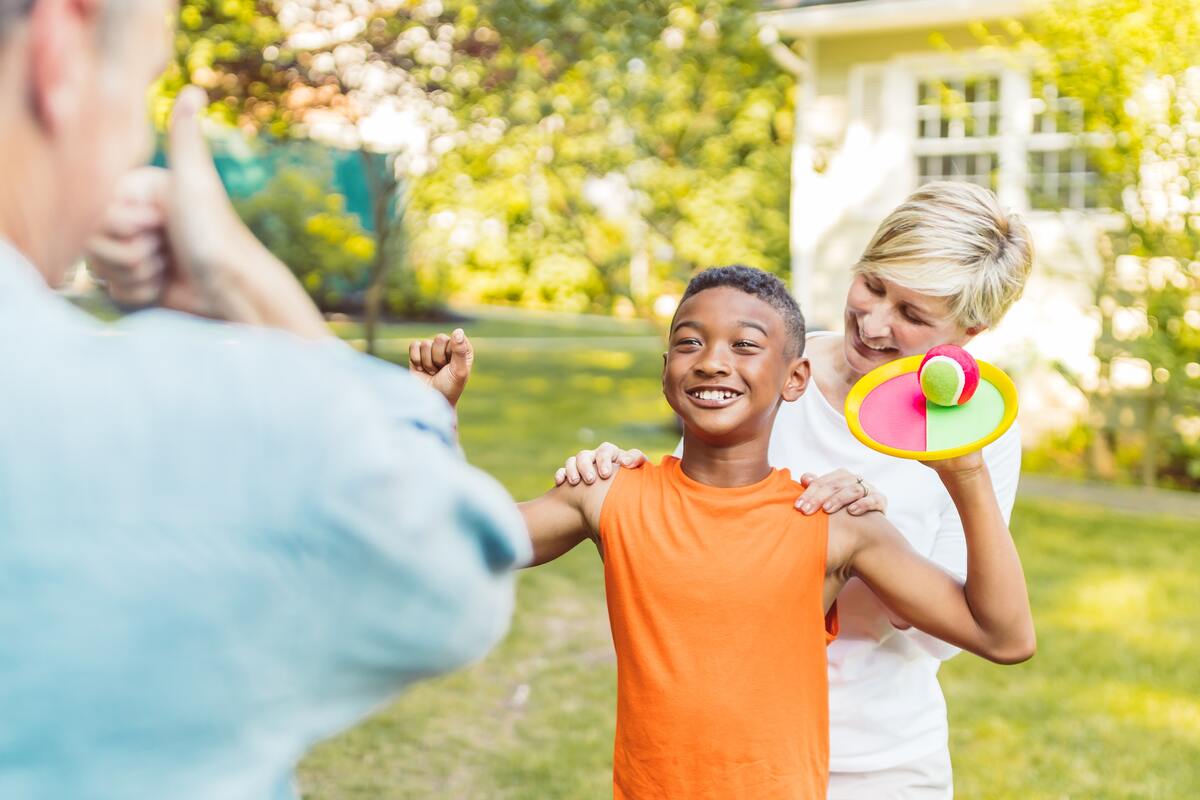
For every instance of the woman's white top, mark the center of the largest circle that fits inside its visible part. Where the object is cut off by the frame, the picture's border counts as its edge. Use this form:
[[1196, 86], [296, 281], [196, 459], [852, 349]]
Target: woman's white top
[[885, 704]]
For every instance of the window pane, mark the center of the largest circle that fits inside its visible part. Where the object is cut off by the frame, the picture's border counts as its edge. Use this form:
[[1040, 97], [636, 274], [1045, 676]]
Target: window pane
[[955, 109], [958, 112], [1063, 179]]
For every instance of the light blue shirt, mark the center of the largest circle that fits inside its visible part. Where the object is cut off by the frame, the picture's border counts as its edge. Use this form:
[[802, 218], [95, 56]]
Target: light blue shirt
[[219, 545]]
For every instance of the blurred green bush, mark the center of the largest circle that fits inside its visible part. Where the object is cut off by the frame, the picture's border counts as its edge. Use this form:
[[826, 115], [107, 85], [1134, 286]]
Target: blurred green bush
[[304, 221]]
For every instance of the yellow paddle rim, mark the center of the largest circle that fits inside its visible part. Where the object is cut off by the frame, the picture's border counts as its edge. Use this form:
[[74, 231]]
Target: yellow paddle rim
[[882, 374]]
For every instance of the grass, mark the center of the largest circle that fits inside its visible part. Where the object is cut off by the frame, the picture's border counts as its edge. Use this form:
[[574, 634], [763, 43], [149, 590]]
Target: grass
[[1109, 708]]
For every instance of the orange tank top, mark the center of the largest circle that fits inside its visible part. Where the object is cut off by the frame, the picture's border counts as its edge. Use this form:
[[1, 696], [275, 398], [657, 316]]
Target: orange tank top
[[715, 601]]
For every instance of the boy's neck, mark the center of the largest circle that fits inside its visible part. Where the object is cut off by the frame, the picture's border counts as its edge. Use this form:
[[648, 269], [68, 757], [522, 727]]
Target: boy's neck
[[725, 466]]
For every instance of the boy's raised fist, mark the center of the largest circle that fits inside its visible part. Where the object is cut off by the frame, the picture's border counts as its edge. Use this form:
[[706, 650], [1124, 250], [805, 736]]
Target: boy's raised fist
[[443, 362]]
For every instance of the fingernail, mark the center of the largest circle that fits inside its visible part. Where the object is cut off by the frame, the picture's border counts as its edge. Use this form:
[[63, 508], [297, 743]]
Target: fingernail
[[806, 507], [458, 335], [828, 506]]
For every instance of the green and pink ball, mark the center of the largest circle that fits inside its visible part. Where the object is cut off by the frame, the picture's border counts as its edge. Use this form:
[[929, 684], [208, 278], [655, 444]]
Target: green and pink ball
[[948, 375]]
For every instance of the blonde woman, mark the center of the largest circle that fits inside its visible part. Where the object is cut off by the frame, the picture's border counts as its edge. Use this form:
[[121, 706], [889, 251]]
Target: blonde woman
[[944, 266]]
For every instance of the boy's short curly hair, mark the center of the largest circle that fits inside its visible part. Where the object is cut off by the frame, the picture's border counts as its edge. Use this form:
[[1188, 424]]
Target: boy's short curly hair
[[760, 284]]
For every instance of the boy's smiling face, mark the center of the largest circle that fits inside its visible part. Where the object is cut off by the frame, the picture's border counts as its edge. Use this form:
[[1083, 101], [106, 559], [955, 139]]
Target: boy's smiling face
[[729, 364]]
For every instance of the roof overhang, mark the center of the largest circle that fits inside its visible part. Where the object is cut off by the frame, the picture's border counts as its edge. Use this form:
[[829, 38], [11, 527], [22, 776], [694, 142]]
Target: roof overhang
[[867, 16]]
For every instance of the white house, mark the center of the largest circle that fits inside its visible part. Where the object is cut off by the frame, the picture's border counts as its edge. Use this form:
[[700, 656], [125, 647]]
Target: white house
[[893, 93]]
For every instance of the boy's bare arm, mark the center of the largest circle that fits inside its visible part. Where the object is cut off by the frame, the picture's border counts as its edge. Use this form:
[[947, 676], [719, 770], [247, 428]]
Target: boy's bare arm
[[989, 613], [559, 519], [563, 517]]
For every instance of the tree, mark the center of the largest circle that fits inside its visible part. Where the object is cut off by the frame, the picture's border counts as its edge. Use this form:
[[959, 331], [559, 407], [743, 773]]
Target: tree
[[579, 155], [612, 148], [310, 230], [1132, 66], [365, 76]]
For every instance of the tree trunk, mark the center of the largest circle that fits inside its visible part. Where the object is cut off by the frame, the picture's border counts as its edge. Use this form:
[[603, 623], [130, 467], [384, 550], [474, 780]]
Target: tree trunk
[[1150, 447], [373, 305], [383, 186], [1102, 402]]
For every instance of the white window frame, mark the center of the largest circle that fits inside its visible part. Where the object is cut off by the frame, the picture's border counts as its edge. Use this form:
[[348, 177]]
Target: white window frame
[[1013, 142], [1009, 141]]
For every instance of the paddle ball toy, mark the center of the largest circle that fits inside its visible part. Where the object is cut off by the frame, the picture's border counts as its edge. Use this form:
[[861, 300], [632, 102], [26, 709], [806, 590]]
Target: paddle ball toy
[[948, 375], [931, 407]]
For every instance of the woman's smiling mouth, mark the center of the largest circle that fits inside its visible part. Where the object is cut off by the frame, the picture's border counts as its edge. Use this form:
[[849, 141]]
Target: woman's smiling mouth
[[856, 341]]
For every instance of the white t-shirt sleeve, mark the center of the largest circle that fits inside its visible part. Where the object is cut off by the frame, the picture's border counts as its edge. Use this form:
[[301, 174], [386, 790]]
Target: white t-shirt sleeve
[[1003, 458]]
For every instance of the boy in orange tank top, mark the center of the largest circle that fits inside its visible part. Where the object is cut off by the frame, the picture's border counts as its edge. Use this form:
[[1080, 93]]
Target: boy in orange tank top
[[720, 596]]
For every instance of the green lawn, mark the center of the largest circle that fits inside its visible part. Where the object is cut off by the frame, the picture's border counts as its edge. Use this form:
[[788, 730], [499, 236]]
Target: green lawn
[[1109, 708]]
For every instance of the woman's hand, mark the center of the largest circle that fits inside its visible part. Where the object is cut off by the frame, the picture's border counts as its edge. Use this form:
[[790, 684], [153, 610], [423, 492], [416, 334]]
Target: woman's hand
[[837, 490], [959, 467], [587, 465]]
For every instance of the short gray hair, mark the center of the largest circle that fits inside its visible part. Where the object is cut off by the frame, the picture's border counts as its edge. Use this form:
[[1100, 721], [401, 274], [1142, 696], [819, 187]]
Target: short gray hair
[[952, 239]]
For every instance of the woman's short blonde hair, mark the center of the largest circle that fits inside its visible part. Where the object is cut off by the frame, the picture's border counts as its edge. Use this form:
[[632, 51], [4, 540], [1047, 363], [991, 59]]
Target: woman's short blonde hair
[[951, 239]]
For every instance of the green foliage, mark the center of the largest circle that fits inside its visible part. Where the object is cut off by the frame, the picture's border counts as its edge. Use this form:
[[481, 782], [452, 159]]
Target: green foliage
[[612, 135], [236, 50], [1131, 63], [308, 228], [599, 152]]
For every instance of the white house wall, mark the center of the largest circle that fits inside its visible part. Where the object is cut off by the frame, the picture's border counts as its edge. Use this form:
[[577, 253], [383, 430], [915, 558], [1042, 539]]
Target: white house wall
[[871, 168]]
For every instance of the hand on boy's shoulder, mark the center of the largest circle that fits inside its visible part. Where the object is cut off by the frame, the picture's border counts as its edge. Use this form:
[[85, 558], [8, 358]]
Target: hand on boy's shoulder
[[563, 517], [587, 497]]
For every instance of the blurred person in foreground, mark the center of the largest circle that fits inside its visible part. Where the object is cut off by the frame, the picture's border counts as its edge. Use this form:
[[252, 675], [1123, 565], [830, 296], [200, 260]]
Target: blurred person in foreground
[[218, 543]]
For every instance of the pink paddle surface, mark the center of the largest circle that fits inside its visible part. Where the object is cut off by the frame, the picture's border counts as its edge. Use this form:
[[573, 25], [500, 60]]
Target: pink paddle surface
[[893, 413]]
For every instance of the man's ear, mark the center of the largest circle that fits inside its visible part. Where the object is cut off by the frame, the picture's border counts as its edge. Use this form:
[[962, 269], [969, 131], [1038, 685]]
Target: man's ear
[[799, 372], [58, 31]]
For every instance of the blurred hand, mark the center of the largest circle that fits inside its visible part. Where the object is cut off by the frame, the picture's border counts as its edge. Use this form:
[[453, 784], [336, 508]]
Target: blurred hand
[[169, 233], [130, 254], [443, 363], [837, 490], [172, 238], [588, 465]]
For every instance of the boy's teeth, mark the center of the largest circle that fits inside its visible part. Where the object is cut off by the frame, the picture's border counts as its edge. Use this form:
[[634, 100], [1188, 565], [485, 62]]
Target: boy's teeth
[[711, 394]]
